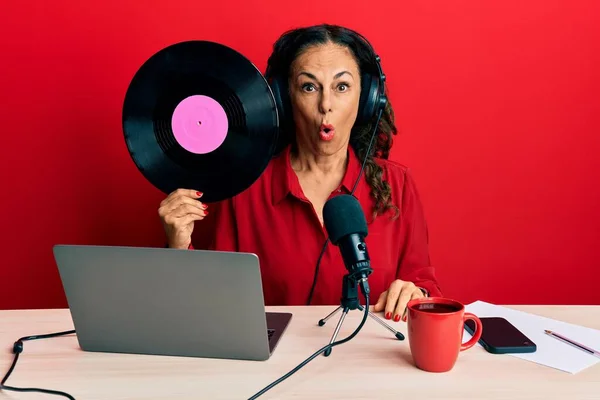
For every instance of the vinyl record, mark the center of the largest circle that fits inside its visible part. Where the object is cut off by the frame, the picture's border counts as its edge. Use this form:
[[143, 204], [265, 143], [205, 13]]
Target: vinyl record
[[199, 115]]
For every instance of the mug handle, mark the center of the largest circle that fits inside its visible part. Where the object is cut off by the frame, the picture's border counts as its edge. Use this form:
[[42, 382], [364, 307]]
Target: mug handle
[[476, 334]]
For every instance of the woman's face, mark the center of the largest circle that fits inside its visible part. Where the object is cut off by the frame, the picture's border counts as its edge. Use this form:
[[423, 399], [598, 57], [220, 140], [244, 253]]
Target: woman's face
[[325, 92]]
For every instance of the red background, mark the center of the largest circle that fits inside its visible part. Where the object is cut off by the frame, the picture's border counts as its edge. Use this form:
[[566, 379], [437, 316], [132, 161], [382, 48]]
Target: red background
[[498, 106]]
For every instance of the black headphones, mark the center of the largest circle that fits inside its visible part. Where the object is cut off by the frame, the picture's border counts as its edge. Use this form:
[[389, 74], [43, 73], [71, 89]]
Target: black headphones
[[372, 101]]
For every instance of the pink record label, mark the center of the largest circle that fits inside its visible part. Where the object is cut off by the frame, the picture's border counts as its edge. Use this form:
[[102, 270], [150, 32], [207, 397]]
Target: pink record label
[[199, 124]]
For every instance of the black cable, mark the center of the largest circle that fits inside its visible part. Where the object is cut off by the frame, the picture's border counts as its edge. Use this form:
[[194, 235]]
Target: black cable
[[321, 350], [362, 168], [314, 284], [17, 350]]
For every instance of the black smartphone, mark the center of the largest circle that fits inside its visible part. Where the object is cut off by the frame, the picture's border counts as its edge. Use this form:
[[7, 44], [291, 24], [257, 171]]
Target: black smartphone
[[501, 337]]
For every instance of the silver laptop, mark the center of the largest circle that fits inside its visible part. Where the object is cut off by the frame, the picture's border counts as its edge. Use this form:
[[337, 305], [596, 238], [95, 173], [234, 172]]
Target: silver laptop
[[161, 301]]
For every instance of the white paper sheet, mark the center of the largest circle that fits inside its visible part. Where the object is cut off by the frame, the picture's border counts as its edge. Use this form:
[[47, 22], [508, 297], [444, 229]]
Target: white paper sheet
[[550, 351]]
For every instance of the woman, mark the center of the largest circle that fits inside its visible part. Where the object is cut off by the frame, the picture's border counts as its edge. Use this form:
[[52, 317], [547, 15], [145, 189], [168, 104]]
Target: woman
[[280, 217]]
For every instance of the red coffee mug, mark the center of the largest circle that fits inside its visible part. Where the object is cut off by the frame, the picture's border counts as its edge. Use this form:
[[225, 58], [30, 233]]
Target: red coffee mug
[[435, 332]]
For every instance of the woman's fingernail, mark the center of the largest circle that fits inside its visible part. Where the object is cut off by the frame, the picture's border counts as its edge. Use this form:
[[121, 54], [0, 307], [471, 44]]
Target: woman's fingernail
[[199, 194], [388, 315], [405, 318], [396, 318]]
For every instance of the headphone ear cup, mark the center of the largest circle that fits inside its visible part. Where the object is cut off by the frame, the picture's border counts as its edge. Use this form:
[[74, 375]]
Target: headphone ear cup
[[280, 91], [369, 99]]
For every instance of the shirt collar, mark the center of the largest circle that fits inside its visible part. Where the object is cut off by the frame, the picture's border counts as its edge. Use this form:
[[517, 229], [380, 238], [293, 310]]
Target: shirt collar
[[285, 182]]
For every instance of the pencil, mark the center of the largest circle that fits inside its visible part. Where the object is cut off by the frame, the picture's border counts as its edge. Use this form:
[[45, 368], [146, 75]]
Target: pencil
[[573, 343]]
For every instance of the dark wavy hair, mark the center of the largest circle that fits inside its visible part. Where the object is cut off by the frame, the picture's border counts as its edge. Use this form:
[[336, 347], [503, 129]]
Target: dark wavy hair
[[291, 44]]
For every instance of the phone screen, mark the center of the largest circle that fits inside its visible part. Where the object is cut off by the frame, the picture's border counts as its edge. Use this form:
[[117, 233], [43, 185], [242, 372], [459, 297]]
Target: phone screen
[[498, 334]]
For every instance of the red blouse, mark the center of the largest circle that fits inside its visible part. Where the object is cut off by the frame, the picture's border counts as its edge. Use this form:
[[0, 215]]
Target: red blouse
[[274, 220]]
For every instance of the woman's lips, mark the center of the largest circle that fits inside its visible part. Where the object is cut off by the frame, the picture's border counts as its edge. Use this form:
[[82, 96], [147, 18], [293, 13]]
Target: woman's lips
[[327, 132]]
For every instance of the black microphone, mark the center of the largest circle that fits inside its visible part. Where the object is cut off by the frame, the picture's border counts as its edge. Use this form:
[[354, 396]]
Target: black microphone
[[347, 228]]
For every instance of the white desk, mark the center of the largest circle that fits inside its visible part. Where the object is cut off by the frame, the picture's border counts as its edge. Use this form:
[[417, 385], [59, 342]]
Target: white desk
[[374, 365]]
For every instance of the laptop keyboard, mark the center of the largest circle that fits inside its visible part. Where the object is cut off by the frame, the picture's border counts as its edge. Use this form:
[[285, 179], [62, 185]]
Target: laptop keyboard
[[270, 333]]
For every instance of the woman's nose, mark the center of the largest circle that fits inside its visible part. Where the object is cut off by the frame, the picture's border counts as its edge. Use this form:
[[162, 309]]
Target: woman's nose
[[325, 103]]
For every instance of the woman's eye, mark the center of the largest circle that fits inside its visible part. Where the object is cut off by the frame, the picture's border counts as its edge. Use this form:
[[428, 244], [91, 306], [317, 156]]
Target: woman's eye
[[343, 87], [308, 87]]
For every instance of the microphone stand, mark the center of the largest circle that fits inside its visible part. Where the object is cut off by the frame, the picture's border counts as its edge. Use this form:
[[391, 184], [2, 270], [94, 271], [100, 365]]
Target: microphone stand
[[349, 301]]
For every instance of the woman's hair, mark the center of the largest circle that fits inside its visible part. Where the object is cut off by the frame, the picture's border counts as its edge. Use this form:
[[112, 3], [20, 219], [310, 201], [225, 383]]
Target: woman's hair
[[291, 44]]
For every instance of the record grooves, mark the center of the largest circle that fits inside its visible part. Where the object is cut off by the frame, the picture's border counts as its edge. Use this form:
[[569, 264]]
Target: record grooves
[[199, 115]]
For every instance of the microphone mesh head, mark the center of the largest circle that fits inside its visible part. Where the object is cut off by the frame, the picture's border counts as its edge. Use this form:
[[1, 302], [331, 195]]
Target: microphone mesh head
[[342, 216]]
